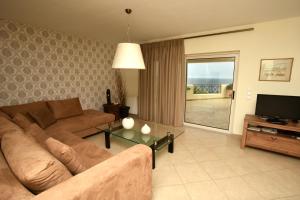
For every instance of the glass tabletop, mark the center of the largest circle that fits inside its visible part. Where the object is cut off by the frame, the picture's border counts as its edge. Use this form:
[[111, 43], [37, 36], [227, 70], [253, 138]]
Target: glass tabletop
[[158, 131]]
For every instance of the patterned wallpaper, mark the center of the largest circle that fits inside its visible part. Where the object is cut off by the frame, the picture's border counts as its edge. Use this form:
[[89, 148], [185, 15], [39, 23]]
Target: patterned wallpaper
[[38, 64]]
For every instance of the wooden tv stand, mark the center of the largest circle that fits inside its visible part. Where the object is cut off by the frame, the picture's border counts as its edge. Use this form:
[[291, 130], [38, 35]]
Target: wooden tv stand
[[280, 142]]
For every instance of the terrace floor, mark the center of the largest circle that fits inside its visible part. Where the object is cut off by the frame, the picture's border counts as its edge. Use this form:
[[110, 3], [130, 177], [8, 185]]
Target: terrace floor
[[209, 112]]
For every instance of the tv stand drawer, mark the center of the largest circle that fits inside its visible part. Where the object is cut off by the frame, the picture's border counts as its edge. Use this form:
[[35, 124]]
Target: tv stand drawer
[[279, 144]]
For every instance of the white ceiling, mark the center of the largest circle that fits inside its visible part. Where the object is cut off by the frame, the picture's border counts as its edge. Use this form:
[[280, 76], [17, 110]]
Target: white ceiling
[[151, 19]]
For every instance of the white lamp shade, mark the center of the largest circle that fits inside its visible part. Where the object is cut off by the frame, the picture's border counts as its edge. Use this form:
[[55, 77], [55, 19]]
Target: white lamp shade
[[128, 56]]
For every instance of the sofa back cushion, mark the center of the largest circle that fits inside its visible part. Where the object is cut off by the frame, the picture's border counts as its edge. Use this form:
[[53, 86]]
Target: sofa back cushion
[[65, 154], [36, 168], [23, 108], [65, 108], [43, 116], [7, 126], [21, 121]]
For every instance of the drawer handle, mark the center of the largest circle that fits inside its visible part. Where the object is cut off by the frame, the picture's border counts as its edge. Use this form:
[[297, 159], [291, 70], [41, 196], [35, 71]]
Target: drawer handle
[[274, 138]]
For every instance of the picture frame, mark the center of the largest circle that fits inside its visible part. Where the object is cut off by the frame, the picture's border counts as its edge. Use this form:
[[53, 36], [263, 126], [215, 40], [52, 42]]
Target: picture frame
[[279, 69]]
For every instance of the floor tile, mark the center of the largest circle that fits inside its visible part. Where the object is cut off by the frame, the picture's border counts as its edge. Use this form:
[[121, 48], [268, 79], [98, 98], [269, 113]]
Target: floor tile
[[192, 145], [179, 146], [287, 179], [177, 192], [164, 176], [204, 154], [181, 156], [205, 190], [191, 172], [237, 189], [162, 158], [265, 163], [290, 198], [233, 140], [296, 170], [242, 165], [225, 152], [214, 142], [286, 162], [218, 169], [265, 185]]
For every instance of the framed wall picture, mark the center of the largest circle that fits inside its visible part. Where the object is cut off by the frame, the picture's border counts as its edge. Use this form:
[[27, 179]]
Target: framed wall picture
[[279, 69]]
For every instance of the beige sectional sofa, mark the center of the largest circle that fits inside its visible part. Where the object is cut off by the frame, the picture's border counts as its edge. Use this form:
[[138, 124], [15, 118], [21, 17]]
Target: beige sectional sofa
[[123, 176]]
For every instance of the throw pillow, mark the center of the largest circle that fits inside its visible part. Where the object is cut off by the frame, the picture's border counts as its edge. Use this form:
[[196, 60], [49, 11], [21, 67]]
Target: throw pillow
[[65, 108], [43, 116], [36, 168], [65, 154], [21, 121]]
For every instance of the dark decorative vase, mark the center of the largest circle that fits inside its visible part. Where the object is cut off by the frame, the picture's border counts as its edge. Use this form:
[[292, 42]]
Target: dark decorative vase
[[108, 99], [124, 111]]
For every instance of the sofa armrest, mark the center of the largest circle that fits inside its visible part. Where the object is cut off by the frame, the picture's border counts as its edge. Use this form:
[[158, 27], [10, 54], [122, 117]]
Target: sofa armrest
[[126, 176]]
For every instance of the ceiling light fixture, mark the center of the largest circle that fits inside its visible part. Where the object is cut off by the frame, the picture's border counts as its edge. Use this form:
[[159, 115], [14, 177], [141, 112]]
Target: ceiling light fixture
[[128, 55]]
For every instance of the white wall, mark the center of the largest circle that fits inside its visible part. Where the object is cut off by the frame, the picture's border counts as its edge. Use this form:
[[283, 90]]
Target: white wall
[[276, 39]]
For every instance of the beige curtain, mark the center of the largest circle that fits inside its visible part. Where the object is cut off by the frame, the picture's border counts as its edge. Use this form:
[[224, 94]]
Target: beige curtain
[[161, 85]]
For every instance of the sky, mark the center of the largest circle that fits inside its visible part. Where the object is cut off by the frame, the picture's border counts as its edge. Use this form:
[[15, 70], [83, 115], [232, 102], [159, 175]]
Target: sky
[[220, 70]]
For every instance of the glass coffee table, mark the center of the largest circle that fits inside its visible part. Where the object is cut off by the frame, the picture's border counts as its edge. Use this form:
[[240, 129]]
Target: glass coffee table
[[159, 137]]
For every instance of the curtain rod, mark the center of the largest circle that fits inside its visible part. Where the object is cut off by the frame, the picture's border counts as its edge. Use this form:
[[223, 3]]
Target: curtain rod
[[220, 33]]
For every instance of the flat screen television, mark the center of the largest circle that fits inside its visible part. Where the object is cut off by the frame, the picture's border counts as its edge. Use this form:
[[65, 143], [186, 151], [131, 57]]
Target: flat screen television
[[278, 108]]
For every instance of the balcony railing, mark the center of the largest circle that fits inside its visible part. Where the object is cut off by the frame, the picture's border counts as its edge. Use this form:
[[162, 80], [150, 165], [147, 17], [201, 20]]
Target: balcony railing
[[207, 88]]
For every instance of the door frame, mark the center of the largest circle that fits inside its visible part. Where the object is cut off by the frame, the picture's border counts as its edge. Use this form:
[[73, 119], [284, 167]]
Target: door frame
[[236, 55]]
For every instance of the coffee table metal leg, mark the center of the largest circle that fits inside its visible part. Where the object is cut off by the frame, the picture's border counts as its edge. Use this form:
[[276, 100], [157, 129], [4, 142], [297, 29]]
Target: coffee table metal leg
[[107, 139], [153, 158], [171, 144]]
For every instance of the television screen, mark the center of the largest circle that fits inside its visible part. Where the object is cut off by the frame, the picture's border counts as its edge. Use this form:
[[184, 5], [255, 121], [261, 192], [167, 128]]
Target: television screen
[[278, 106]]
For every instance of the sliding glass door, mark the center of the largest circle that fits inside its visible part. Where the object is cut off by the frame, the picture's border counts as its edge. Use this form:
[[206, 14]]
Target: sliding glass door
[[209, 91]]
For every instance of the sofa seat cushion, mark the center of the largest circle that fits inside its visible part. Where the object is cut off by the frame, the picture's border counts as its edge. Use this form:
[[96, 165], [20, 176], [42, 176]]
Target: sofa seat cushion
[[87, 132], [89, 119], [65, 108], [65, 137], [89, 152], [10, 187], [35, 167]]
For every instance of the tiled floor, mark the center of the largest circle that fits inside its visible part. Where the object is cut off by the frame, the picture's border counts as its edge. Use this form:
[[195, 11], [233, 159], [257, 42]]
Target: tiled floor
[[211, 166]]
